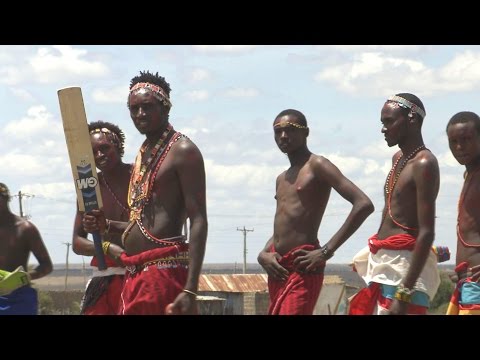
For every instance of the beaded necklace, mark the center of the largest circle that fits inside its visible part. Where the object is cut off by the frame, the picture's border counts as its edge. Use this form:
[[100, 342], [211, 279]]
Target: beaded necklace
[[136, 207], [465, 188], [389, 187], [122, 205], [140, 186]]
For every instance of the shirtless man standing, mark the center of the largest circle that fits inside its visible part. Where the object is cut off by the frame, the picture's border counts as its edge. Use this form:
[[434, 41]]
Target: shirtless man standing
[[463, 132], [293, 257], [19, 238]]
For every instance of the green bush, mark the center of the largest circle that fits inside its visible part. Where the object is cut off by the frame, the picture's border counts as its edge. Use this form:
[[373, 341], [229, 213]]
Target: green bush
[[444, 292]]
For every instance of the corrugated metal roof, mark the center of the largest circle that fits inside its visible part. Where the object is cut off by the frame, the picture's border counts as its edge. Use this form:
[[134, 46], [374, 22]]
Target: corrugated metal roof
[[245, 282]]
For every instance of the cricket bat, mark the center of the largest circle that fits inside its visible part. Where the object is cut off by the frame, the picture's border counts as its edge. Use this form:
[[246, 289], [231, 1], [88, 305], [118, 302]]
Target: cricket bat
[[82, 161]]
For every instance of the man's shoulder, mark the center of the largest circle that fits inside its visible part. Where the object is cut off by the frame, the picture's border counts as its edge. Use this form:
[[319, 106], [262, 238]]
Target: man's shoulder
[[184, 144], [427, 159], [319, 160]]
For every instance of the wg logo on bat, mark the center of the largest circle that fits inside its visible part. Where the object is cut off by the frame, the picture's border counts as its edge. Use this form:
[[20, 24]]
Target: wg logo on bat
[[85, 183]]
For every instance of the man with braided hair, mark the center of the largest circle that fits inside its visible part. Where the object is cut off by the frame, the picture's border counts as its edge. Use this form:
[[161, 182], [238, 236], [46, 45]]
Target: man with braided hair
[[399, 264], [292, 257], [167, 186], [102, 294], [19, 238]]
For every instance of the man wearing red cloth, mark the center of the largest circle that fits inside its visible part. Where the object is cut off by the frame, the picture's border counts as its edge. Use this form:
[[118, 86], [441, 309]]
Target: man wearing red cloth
[[463, 132], [293, 257], [399, 265], [102, 294], [167, 186]]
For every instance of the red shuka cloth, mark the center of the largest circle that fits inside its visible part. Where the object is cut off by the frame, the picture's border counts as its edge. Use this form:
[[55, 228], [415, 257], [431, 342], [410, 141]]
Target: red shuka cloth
[[149, 292], [299, 293]]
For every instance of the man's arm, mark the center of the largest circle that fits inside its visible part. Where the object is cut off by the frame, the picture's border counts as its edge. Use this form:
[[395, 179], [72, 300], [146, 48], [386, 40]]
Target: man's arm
[[270, 262], [426, 176], [80, 244], [427, 179], [362, 207], [37, 247], [191, 172]]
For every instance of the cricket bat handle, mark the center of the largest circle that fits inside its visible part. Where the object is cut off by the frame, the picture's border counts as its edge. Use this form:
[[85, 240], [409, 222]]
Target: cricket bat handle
[[97, 242]]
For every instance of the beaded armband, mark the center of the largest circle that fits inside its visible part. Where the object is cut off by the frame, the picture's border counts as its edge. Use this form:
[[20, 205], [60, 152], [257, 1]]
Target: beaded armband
[[326, 252], [404, 294]]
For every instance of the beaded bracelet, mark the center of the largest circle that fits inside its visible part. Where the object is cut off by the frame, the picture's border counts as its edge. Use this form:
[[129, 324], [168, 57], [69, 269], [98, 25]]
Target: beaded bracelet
[[105, 246], [404, 294], [190, 292]]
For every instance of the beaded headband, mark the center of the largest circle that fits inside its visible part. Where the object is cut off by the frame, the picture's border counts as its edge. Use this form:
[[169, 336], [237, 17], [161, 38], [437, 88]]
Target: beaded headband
[[114, 137], [157, 91], [288, 123], [404, 103]]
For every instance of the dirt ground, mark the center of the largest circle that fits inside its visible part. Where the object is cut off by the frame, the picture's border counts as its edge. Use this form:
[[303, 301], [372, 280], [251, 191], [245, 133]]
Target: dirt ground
[[57, 283]]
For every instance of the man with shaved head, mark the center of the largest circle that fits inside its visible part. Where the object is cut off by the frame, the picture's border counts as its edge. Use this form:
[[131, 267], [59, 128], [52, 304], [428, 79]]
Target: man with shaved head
[[399, 264], [293, 257], [463, 131]]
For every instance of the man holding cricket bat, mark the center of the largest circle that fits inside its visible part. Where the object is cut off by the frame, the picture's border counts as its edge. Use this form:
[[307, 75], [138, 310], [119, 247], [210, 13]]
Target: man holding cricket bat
[[167, 186]]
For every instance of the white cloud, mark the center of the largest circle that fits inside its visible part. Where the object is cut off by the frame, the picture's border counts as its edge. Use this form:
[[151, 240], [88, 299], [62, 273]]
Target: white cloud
[[198, 74], [22, 94], [197, 95], [378, 149], [386, 48], [37, 121], [224, 49], [114, 95], [193, 131], [244, 175], [447, 159], [346, 164], [378, 74], [65, 63], [242, 92]]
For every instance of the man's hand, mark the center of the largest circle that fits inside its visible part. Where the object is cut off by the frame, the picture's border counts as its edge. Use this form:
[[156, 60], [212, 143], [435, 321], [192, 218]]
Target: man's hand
[[475, 272], [270, 262], [94, 221], [309, 261], [184, 304], [398, 307]]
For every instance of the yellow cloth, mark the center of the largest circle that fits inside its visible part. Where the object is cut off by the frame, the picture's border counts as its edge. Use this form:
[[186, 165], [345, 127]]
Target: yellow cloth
[[10, 281]]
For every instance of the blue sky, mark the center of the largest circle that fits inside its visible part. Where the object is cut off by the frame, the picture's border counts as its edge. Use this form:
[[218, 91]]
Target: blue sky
[[225, 98]]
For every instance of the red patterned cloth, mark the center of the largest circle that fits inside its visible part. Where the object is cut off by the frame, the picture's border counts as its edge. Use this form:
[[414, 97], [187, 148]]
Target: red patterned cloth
[[299, 293], [109, 301], [153, 279]]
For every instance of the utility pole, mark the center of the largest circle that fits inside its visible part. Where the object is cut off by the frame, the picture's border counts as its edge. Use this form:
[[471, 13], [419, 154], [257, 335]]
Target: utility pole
[[65, 304], [244, 247], [66, 264], [20, 202]]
